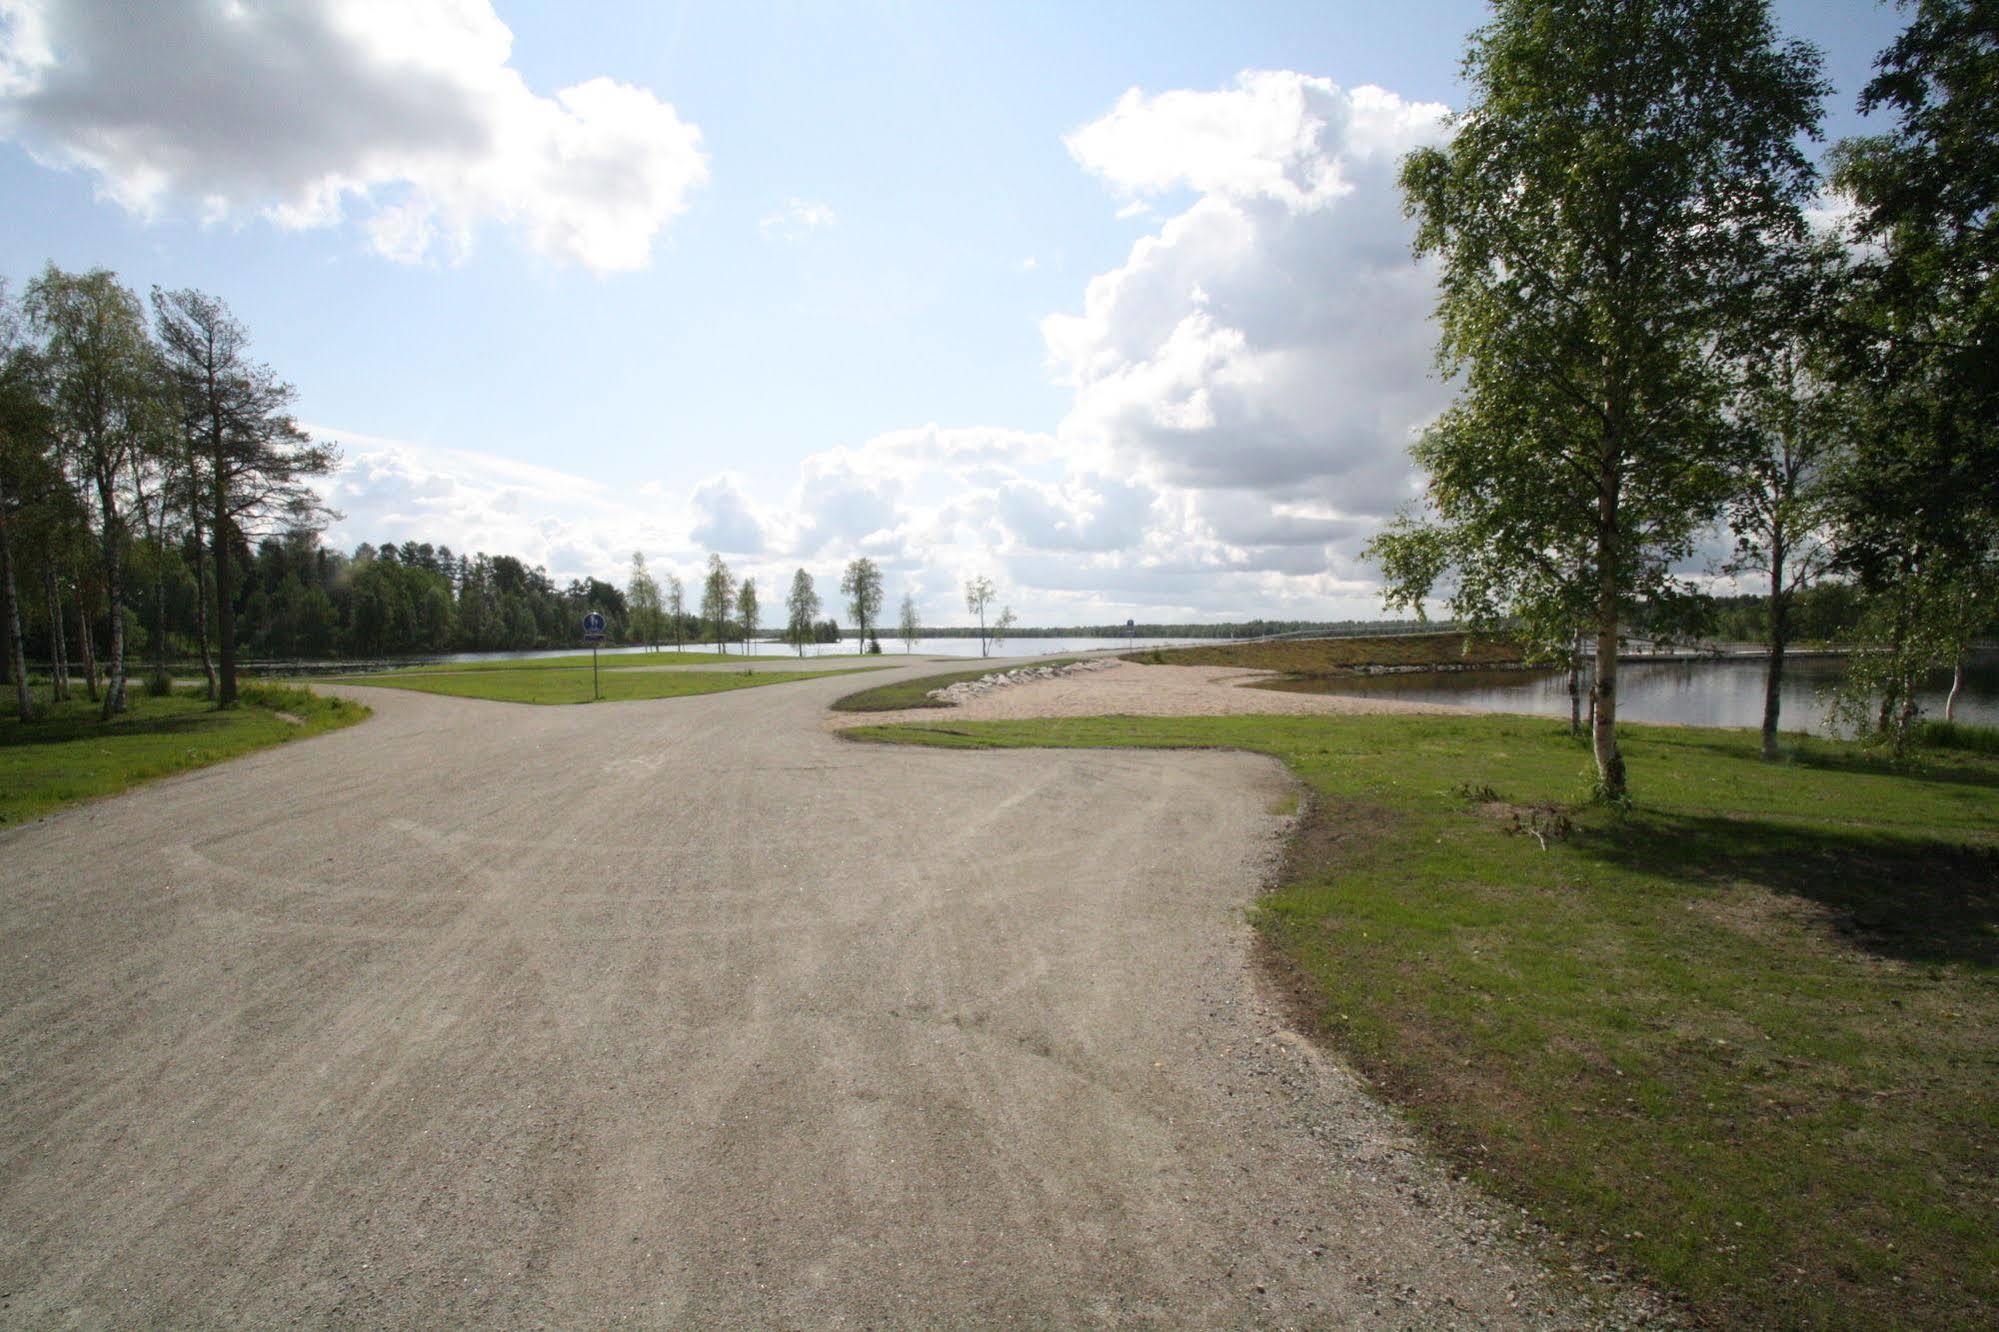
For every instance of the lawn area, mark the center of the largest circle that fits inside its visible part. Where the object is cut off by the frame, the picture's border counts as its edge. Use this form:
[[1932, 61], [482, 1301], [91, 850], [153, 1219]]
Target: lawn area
[[1741, 1040], [541, 684], [607, 661], [1340, 656], [67, 754], [916, 693]]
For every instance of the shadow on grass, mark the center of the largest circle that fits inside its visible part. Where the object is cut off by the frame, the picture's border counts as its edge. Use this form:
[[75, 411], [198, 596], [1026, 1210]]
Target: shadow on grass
[[61, 730], [1914, 900], [1922, 766]]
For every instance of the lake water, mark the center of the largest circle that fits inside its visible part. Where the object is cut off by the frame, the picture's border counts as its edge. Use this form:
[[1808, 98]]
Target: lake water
[[1691, 693]]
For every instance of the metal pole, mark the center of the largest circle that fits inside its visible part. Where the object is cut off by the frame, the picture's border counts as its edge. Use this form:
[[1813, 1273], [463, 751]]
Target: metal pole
[[596, 692]]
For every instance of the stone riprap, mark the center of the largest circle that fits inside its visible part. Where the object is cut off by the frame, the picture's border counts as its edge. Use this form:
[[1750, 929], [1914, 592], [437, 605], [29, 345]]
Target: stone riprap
[[966, 690]]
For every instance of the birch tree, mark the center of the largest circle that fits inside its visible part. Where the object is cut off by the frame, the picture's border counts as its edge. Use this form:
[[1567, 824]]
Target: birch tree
[[908, 626], [101, 367], [979, 594], [861, 584], [748, 611], [801, 604], [1607, 200], [718, 594], [642, 598], [1919, 508], [1003, 626], [28, 474], [676, 608], [1782, 511]]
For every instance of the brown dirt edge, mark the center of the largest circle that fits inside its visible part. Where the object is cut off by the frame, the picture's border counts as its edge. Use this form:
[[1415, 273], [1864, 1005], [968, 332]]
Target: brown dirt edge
[[1321, 836]]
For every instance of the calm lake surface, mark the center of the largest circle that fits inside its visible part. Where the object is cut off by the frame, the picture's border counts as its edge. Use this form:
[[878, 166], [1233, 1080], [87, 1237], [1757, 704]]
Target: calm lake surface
[[1690, 693]]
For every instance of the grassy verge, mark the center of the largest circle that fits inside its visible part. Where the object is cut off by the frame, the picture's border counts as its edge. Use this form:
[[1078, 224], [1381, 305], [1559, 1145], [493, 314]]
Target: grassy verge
[[1339, 656], [1958, 735], [1739, 1040], [573, 685], [67, 754], [916, 693], [611, 662]]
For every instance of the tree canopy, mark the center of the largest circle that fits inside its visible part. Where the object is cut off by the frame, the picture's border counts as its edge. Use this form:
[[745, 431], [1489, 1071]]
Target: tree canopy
[[1602, 214]]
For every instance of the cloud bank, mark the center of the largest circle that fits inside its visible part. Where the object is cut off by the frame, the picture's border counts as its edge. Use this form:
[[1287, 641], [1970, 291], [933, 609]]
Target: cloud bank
[[404, 114], [1244, 387]]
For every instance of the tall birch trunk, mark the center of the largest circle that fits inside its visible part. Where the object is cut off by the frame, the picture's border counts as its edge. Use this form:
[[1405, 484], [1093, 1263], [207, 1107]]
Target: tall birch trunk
[[156, 533], [114, 595], [1956, 683], [1603, 692], [58, 650], [1576, 683], [86, 638], [17, 657], [225, 592], [1780, 632], [201, 594]]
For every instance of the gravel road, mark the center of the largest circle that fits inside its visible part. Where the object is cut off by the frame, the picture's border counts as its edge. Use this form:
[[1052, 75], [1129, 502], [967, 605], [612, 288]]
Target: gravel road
[[683, 1013]]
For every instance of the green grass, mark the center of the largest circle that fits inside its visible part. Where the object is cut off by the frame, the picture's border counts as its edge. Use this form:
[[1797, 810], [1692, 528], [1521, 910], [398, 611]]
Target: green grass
[[1958, 735], [1739, 1041], [540, 684], [67, 754], [607, 661], [916, 693]]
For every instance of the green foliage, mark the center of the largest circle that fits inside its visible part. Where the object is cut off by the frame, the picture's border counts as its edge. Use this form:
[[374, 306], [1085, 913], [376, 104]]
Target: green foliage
[[800, 605], [718, 596], [399, 608], [747, 611], [1738, 1038], [1927, 305], [861, 585], [642, 596], [1603, 213], [1919, 505]]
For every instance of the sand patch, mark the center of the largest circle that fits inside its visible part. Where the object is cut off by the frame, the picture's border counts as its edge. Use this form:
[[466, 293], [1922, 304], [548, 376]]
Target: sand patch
[[1127, 689]]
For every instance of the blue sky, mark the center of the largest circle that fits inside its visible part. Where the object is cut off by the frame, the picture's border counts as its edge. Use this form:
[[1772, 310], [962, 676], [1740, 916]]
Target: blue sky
[[909, 280]]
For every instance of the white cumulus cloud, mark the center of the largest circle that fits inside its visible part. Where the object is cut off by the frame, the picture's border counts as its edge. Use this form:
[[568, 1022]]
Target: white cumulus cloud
[[1271, 339], [404, 113], [1244, 385]]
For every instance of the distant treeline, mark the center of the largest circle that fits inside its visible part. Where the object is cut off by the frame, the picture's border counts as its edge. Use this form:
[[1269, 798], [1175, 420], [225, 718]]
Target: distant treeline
[[1229, 629], [1828, 612], [298, 598]]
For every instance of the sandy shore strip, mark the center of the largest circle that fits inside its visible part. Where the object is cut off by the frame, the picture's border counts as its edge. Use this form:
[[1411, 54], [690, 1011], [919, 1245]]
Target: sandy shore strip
[[1129, 689]]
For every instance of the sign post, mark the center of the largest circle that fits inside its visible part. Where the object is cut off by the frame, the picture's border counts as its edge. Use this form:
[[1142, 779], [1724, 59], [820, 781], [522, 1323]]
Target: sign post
[[593, 634]]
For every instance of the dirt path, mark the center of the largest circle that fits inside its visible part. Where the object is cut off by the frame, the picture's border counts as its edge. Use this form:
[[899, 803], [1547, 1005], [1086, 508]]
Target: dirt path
[[687, 1013]]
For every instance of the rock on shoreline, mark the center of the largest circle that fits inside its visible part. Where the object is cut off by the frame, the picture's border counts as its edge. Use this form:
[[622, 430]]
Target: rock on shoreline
[[965, 690]]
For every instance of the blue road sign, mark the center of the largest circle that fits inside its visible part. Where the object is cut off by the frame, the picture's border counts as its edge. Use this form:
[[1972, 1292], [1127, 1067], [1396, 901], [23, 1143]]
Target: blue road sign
[[593, 625]]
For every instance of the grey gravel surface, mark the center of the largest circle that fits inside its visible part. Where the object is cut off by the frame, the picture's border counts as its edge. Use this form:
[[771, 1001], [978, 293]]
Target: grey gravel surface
[[690, 1013]]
